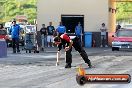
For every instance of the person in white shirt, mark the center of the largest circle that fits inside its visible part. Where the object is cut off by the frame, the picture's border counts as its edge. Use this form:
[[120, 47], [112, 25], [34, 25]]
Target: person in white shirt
[[103, 30], [50, 31]]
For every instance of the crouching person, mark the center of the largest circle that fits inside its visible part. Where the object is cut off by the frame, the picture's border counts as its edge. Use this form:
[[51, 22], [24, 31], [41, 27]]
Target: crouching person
[[67, 43]]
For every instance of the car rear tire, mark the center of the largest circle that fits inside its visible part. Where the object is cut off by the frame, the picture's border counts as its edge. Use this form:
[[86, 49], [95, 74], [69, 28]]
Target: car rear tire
[[113, 48]]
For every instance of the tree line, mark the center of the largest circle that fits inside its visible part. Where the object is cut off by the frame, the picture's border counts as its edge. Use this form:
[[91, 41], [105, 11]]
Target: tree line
[[124, 11], [10, 8]]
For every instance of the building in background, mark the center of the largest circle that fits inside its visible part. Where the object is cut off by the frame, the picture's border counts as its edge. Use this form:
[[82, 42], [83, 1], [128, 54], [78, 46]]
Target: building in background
[[90, 13]]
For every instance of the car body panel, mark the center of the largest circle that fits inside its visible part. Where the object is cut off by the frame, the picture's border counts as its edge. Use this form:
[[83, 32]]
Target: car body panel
[[3, 34], [123, 39]]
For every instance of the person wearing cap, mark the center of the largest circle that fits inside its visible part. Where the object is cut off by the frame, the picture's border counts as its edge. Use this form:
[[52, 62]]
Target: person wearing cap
[[15, 31], [67, 43]]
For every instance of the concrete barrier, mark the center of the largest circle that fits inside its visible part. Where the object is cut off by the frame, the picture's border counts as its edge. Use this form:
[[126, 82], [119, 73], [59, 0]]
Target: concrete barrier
[[3, 48]]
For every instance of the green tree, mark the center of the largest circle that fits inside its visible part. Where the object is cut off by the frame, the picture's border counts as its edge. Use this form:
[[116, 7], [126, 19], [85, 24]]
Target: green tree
[[10, 8], [124, 11], [13, 8]]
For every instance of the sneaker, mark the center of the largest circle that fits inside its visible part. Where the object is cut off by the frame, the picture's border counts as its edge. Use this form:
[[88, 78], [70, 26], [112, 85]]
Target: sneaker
[[57, 63], [101, 46], [89, 65], [14, 52], [106, 46], [68, 66], [42, 49], [18, 51]]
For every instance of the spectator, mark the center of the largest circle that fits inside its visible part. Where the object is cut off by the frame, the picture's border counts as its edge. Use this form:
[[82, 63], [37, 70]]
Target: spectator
[[43, 32], [118, 27], [50, 30], [67, 43], [61, 29], [78, 31], [103, 30], [1, 26], [15, 31]]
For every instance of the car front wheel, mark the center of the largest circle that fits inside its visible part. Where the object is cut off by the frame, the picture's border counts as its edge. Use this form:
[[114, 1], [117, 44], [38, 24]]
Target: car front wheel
[[115, 48]]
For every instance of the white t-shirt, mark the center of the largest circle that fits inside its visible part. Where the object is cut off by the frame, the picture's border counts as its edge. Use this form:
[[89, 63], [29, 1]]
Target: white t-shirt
[[103, 30]]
